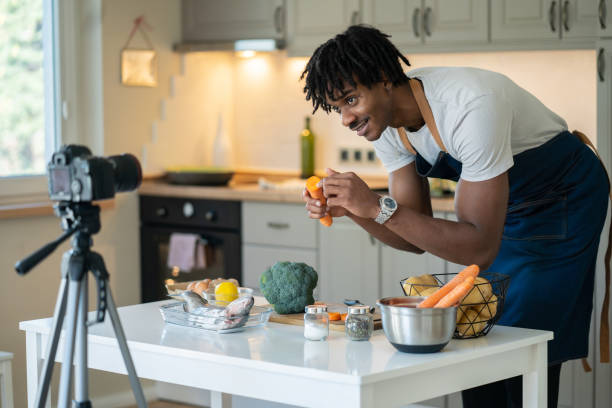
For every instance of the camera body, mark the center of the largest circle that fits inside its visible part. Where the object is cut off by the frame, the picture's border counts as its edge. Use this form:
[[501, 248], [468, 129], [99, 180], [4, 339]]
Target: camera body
[[77, 176]]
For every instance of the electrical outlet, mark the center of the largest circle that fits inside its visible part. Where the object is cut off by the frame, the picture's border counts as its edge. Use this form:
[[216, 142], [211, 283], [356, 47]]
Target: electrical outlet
[[343, 155]]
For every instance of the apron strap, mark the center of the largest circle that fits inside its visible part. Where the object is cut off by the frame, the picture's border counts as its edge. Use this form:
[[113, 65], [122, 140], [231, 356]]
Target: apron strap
[[419, 95], [405, 141], [604, 329]]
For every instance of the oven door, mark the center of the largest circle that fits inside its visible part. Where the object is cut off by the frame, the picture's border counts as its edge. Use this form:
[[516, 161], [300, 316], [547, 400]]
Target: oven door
[[216, 254]]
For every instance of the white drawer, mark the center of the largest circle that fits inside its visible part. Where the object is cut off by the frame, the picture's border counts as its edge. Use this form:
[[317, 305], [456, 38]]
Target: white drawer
[[278, 224]]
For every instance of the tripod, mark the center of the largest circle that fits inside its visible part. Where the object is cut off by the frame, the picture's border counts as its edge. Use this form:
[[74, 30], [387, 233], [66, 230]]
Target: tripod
[[82, 220]]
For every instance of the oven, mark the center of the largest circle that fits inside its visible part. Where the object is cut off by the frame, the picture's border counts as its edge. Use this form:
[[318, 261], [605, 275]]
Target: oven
[[184, 239]]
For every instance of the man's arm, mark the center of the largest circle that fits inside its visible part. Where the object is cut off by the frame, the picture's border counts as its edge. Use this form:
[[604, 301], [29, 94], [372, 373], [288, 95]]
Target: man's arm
[[474, 238]]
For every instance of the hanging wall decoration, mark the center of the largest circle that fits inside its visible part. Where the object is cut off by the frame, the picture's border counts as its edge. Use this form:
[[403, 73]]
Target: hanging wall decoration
[[138, 65]]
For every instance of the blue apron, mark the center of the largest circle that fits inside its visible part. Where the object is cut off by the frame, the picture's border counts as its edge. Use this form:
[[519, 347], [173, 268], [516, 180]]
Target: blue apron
[[557, 207]]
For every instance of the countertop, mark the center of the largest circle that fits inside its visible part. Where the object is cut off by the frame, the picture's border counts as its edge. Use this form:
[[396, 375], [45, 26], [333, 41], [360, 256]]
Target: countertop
[[253, 192]]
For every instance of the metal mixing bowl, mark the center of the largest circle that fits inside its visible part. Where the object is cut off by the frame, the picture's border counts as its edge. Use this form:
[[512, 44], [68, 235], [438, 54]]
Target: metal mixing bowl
[[414, 330]]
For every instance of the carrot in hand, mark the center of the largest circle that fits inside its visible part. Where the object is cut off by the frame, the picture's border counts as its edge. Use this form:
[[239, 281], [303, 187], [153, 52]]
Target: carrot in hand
[[317, 193], [431, 300], [457, 294]]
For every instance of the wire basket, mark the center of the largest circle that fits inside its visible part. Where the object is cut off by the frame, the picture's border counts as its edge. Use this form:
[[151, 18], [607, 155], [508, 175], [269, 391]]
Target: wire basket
[[478, 311]]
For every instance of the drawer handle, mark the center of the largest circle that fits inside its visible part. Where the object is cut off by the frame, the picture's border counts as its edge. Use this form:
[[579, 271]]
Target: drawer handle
[[278, 225], [602, 14], [416, 16], [552, 16]]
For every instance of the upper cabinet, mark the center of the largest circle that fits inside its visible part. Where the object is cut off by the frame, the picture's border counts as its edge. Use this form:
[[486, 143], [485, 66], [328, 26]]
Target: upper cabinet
[[440, 22], [513, 20], [313, 22], [604, 20], [230, 20]]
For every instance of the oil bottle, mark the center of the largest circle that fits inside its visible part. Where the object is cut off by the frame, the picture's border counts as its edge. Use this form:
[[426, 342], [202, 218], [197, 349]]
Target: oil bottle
[[307, 147]]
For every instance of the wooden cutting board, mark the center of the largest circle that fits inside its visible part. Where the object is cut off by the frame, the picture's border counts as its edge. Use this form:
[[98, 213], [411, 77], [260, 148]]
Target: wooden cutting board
[[297, 319]]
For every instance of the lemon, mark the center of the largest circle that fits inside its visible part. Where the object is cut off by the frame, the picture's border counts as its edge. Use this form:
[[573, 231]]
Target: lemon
[[226, 292]]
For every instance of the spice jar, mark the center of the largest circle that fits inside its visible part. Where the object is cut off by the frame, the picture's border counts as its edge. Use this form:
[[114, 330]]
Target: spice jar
[[359, 323], [316, 322]]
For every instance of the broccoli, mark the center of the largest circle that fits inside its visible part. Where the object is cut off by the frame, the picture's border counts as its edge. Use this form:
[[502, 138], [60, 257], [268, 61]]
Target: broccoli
[[288, 286]]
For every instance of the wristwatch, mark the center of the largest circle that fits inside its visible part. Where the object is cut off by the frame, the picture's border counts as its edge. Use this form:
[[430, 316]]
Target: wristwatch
[[387, 207]]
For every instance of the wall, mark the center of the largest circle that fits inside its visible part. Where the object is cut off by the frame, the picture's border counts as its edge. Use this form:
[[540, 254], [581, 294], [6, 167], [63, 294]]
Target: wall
[[127, 117], [269, 107]]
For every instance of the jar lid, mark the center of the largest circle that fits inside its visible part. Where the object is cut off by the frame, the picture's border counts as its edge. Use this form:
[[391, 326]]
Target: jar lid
[[315, 308], [362, 309]]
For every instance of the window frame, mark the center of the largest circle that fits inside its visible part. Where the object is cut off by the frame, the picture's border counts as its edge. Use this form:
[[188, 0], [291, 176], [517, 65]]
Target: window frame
[[60, 57]]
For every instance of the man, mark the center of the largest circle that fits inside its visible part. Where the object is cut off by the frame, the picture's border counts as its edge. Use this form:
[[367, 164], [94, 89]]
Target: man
[[531, 198]]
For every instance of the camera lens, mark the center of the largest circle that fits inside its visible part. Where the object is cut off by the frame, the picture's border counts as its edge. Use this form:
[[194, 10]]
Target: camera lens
[[128, 173]]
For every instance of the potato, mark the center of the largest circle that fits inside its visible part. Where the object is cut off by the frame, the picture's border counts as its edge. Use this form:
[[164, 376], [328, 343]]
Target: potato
[[480, 293], [487, 310], [470, 324], [427, 291], [413, 285]]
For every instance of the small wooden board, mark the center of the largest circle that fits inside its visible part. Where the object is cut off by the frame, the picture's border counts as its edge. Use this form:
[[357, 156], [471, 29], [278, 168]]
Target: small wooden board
[[297, 319]]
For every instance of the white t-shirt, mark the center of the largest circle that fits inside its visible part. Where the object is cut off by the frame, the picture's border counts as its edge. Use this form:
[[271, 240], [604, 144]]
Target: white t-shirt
[[483, 118]]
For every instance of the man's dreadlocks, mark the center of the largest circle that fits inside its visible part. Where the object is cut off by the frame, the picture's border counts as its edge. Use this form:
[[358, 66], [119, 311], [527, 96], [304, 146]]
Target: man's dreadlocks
[[360, 51]]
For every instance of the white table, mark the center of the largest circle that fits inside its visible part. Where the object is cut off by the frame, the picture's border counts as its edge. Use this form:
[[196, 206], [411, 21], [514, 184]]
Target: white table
[[276, 363]]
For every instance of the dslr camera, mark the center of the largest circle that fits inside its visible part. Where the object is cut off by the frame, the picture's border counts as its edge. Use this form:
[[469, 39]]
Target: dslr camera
[[77, 176]]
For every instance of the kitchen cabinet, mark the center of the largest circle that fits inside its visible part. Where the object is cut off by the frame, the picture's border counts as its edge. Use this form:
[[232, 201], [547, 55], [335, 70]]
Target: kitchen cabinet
[[313, 22], [349, 259], [439, 22], [603, 379], [546, 20], [230, 20], [274, 232], [604, 22]]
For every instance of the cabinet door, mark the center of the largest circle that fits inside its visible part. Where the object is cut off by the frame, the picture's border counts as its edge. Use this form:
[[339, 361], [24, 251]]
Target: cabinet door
[[397, 265], [455, 21], [525, 20], [315, 21], [604, 18], [402, 19], [213, 20], [603, 381], [348, 258], [257, 258], [579, 19]]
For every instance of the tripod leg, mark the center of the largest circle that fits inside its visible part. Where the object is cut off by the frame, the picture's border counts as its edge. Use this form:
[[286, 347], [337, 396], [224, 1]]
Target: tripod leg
[[127, 358], [58, 320], [81, 384], [74, 287]]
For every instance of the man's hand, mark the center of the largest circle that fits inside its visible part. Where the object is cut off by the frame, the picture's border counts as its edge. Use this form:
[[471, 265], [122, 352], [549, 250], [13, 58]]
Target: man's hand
[[317, 210], [349, 192]]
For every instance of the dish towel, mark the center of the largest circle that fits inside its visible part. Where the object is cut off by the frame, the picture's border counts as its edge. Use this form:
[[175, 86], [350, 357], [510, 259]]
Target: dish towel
[[186, 251]]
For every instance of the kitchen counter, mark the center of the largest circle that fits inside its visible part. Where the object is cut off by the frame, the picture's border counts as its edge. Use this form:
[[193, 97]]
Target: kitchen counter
[[252, 192]]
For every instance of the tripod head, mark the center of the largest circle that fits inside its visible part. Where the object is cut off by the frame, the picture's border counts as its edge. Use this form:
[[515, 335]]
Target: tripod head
[[82, 218]]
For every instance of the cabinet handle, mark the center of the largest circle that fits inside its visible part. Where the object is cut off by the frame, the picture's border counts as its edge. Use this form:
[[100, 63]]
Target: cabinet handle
[[565, 15], [372, 240], [426, 21], [355, 18], [601, 65], [278, 19], [415, 22], [278, 225], [603, 11], [551, 16]]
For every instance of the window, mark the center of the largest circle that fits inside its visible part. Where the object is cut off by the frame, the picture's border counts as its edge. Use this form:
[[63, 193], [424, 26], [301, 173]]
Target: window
[[28, 94]]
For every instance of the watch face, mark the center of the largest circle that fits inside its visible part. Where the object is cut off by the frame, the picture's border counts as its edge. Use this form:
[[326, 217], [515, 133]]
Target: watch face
[[389, 203]]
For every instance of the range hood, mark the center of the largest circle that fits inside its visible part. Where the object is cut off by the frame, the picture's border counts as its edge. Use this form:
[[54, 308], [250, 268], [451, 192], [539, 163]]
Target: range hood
[[259, 45]]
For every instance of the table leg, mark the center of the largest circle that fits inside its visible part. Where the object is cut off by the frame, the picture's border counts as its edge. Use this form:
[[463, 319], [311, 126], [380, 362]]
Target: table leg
[[220, 400], [34, 362], [535, 386]]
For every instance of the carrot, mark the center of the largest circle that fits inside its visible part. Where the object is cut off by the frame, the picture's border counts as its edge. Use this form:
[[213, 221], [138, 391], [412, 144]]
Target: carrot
[[431, 300], [457, 294], [317, 193], [343, 316], [334, 316]]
